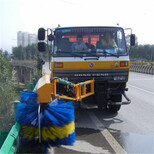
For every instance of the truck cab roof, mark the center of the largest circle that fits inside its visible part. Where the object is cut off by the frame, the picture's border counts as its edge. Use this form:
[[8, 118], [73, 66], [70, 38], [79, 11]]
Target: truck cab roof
[[89, 27]]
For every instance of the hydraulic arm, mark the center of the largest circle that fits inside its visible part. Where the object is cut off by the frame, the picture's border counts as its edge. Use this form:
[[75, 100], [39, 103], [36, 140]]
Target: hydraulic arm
[[47, 89]]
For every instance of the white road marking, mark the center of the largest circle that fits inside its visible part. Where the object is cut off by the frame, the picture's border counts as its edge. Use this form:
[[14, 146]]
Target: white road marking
[[110, 139], [141, 89], [141, 79], [83, 146]]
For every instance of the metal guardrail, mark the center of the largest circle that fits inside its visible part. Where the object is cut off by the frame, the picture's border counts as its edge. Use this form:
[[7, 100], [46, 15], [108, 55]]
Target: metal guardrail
[[22, 63], [11, 143], [142, 67]]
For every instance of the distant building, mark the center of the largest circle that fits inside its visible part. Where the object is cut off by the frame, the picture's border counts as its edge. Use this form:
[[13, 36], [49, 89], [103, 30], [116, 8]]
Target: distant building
[[32, 38], [24, 39], [19, 38]]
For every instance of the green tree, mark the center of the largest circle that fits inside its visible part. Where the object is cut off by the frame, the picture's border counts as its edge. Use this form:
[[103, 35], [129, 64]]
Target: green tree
[[17, 52], [142, 52], [28, 53], [7, 94], [34, 51], [1, 51]]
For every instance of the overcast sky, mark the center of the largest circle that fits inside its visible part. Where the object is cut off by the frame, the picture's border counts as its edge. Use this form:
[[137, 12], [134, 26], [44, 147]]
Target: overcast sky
[[29, 15]]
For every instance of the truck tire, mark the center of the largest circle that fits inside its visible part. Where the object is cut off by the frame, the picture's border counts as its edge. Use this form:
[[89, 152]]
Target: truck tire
[[115, 108]]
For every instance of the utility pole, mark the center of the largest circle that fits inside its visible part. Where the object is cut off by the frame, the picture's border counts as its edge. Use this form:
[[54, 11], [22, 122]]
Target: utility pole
[[152, 53]]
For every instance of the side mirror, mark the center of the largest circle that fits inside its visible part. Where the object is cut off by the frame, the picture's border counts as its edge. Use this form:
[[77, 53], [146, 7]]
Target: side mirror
[[132, 39], [41, 34], [51, 37], [41, 46]]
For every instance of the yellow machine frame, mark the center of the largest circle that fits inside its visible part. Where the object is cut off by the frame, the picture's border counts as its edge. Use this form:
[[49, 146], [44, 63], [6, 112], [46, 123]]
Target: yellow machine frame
[[47, 90], [78, 89]]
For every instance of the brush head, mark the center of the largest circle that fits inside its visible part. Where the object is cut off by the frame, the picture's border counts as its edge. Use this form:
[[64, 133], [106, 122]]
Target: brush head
[[56, 120]]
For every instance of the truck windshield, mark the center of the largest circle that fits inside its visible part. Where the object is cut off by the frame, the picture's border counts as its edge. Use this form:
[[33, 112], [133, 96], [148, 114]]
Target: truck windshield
[[89, 41]]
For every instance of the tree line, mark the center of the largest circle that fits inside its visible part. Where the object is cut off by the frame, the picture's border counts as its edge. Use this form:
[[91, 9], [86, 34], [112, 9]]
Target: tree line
[[142, 53], [5, 54], [29, 52], [137, 52]]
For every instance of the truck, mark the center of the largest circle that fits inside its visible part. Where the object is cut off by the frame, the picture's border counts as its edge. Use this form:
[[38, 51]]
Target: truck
[[107, 63]]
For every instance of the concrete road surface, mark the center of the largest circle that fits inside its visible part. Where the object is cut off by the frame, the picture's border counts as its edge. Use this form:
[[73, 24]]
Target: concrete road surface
[[131, 130]]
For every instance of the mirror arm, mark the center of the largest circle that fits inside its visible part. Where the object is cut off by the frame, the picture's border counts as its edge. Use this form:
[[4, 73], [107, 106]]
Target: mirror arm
[[49, 31], [129, 29]]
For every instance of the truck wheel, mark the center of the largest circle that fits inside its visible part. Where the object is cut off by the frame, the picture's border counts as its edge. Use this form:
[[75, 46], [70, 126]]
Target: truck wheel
[[115, 98]]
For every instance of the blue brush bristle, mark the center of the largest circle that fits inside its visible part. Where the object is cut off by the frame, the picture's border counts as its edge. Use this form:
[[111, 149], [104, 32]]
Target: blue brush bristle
[[27, 114], [55, 114], [28, 98]]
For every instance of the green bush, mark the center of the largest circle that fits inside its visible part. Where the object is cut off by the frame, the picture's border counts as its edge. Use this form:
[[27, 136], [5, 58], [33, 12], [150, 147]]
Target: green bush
[[7, 95]]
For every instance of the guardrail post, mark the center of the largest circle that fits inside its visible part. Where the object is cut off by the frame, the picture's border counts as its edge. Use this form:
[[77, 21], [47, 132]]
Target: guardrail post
[[15, 108]]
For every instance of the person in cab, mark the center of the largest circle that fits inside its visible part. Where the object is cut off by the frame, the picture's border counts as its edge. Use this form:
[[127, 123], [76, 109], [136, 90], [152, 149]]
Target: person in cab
[[106, 42], [79, 45]]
